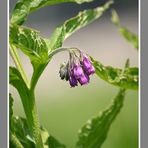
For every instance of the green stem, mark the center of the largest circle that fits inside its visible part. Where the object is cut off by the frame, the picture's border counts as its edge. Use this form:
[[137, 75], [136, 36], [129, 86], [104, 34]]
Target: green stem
[[16, 59], [60, 50], [28, 100], [29, 105], [35, 121], [36, 75]]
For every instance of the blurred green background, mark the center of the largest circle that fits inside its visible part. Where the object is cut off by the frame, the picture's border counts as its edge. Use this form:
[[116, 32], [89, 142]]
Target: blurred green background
[[63, 110]]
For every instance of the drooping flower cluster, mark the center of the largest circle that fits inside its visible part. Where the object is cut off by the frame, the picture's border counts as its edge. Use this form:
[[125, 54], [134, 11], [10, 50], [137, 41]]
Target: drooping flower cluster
[[77, 69]]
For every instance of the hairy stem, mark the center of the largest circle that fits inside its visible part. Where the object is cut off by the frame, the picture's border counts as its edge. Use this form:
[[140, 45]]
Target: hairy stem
[[16, 59], [29, 105], [35, 122]]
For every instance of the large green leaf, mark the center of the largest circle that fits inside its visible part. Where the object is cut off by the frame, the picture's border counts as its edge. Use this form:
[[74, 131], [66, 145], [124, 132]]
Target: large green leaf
[[128, 35], [30, 42], [94, 133], [70, 26], [23, 134], [24, 7], [127, 78]]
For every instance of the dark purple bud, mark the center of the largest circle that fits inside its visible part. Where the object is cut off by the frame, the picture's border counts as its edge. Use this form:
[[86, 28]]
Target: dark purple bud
[[78, 71], [73, 81], [84, 79]]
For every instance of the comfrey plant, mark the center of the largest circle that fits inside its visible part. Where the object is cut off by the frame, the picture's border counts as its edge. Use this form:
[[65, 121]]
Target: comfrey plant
[[27, 132]]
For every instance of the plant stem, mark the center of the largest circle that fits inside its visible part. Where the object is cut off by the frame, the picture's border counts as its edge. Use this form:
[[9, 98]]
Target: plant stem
[[29, 105], [60, 50], [36, 75], [16, 59], [35, 121], [28, 100]]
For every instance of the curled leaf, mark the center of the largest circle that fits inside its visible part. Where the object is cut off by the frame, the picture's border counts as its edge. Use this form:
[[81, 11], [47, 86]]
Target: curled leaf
[[70, 26], [127, 78], [129, 36], [24, 7]]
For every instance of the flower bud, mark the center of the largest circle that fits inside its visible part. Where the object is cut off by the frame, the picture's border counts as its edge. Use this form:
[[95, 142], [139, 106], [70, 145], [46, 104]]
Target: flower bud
[[91, 71], [64, 71], [73, 81], [87, 65], [84, 79], [78, 71]]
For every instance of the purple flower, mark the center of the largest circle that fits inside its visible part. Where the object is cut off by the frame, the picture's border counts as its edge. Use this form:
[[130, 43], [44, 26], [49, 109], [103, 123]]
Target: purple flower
[[78, 71], [84, 79], [91, 71], [73, 81], [86, 63], [87, 66]]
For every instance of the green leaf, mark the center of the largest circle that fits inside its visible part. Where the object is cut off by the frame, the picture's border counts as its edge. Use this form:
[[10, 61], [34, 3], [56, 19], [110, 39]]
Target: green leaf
[[70, 26], [24, 7], [16, 80], [49, 141], [127, 78], [30, 42], [94, 133], [129, 36], [14, 141], [21, 130]]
